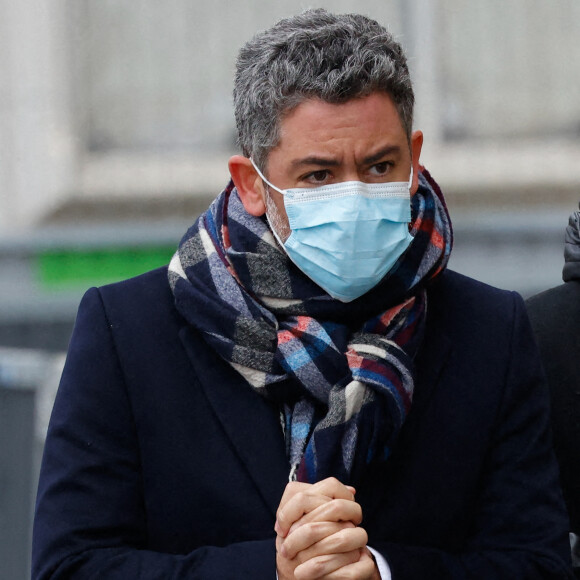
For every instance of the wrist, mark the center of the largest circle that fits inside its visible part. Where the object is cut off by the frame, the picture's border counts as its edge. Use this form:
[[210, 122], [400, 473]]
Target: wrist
[[376, 573]]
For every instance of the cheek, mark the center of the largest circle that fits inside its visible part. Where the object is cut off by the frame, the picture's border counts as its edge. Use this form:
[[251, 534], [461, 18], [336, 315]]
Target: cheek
[[278, 218], [278, 200]]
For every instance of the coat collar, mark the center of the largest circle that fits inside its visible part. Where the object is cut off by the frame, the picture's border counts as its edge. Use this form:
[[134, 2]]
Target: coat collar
[[251, 423]]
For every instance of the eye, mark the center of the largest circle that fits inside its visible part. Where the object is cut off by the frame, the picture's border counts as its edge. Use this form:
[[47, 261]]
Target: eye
[[317, 177], [380, 169]]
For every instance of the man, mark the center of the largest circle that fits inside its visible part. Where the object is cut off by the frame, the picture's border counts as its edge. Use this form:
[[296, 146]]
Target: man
[[306, 391], [555, 318]]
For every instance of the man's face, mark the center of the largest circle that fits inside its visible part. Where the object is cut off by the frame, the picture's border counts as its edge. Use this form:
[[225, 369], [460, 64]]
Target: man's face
[[321, 143]]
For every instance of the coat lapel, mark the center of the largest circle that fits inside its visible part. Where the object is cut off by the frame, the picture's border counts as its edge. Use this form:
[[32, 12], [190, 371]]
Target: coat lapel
[[429, 365], [251, 423]]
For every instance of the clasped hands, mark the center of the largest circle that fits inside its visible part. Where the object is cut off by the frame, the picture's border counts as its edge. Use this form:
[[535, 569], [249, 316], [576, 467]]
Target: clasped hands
[[318, 535]]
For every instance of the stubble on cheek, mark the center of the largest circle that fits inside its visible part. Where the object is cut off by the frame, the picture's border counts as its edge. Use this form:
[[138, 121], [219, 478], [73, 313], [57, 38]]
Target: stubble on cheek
[[277, 222]]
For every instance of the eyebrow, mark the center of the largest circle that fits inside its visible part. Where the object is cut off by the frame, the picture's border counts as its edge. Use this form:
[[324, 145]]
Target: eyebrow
[[313, 160], [384, 152], [330, 162]]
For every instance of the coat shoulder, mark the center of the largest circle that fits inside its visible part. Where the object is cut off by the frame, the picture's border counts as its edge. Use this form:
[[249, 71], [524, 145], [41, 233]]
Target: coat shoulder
[[555, 306], [143, 301], [454, 297], [149, 288], [140, 313]]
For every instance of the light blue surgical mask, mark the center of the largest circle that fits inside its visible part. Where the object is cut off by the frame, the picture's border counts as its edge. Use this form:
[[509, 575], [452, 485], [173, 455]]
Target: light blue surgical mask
[[347, 236]]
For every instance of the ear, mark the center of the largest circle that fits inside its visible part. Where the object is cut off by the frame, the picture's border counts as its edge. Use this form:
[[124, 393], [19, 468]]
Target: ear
[[416, 146], [249, 185]]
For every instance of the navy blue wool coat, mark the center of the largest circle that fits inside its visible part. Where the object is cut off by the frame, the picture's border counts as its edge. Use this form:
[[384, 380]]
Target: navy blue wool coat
[[162, 463]]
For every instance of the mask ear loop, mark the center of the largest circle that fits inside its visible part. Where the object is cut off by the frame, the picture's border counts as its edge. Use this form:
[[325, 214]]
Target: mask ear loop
[[270, 225], [273, 229], [263, 178]]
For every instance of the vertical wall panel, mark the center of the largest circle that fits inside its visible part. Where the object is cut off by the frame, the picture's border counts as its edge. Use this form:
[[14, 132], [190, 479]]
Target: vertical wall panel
[[158, 75], [510, 69], [16, 450]]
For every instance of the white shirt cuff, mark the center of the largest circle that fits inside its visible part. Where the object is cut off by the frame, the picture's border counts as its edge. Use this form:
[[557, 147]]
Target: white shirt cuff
[[384, 569]]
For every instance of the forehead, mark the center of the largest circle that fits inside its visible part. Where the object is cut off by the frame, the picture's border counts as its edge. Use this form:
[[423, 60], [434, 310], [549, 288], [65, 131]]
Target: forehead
[[358, 121]]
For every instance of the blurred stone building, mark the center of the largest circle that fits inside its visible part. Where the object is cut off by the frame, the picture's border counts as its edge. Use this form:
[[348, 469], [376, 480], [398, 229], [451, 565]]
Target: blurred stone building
[[116, 125], [115, 129]]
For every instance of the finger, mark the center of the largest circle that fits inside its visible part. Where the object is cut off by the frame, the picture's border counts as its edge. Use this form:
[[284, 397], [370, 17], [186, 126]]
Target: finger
[[336, 510], [364, 569], [297, 500], [322, 566], [341, 542], [308, 535], [291, 490], [299, 505], [333, 488]]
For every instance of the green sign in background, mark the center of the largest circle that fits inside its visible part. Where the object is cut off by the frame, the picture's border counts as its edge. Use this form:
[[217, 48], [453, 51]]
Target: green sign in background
[[69, 268]]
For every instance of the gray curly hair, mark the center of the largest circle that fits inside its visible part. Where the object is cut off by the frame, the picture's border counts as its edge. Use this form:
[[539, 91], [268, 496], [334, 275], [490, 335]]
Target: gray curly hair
[[315, 54]]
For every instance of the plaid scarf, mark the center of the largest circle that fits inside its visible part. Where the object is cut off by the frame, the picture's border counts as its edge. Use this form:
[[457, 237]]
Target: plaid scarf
[[341, 373]]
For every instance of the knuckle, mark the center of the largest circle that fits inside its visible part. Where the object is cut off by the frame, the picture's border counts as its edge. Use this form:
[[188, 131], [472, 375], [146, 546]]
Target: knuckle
[[352, 562], [351, 538], [316, 529], [363, 535], [319, 565], [293, 487], [311, 532], [357, 516], [368, 570], [340, 542], [335, 507], [301, 497], [355, 572], [343, 510], [329, 486]]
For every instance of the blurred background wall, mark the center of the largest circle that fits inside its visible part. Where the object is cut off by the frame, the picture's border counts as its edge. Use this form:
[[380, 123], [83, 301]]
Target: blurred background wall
[[116, 125]]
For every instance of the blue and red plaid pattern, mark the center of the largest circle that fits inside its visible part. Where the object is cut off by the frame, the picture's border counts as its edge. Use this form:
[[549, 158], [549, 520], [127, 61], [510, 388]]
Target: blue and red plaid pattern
[[342, 373]]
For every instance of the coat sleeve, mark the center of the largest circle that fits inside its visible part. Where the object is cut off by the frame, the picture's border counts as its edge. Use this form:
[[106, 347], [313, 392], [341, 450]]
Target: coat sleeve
[[520, 530], [90, 519]]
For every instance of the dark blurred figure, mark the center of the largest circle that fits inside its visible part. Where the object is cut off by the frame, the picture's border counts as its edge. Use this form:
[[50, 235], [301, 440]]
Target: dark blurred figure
[[555, 317]]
